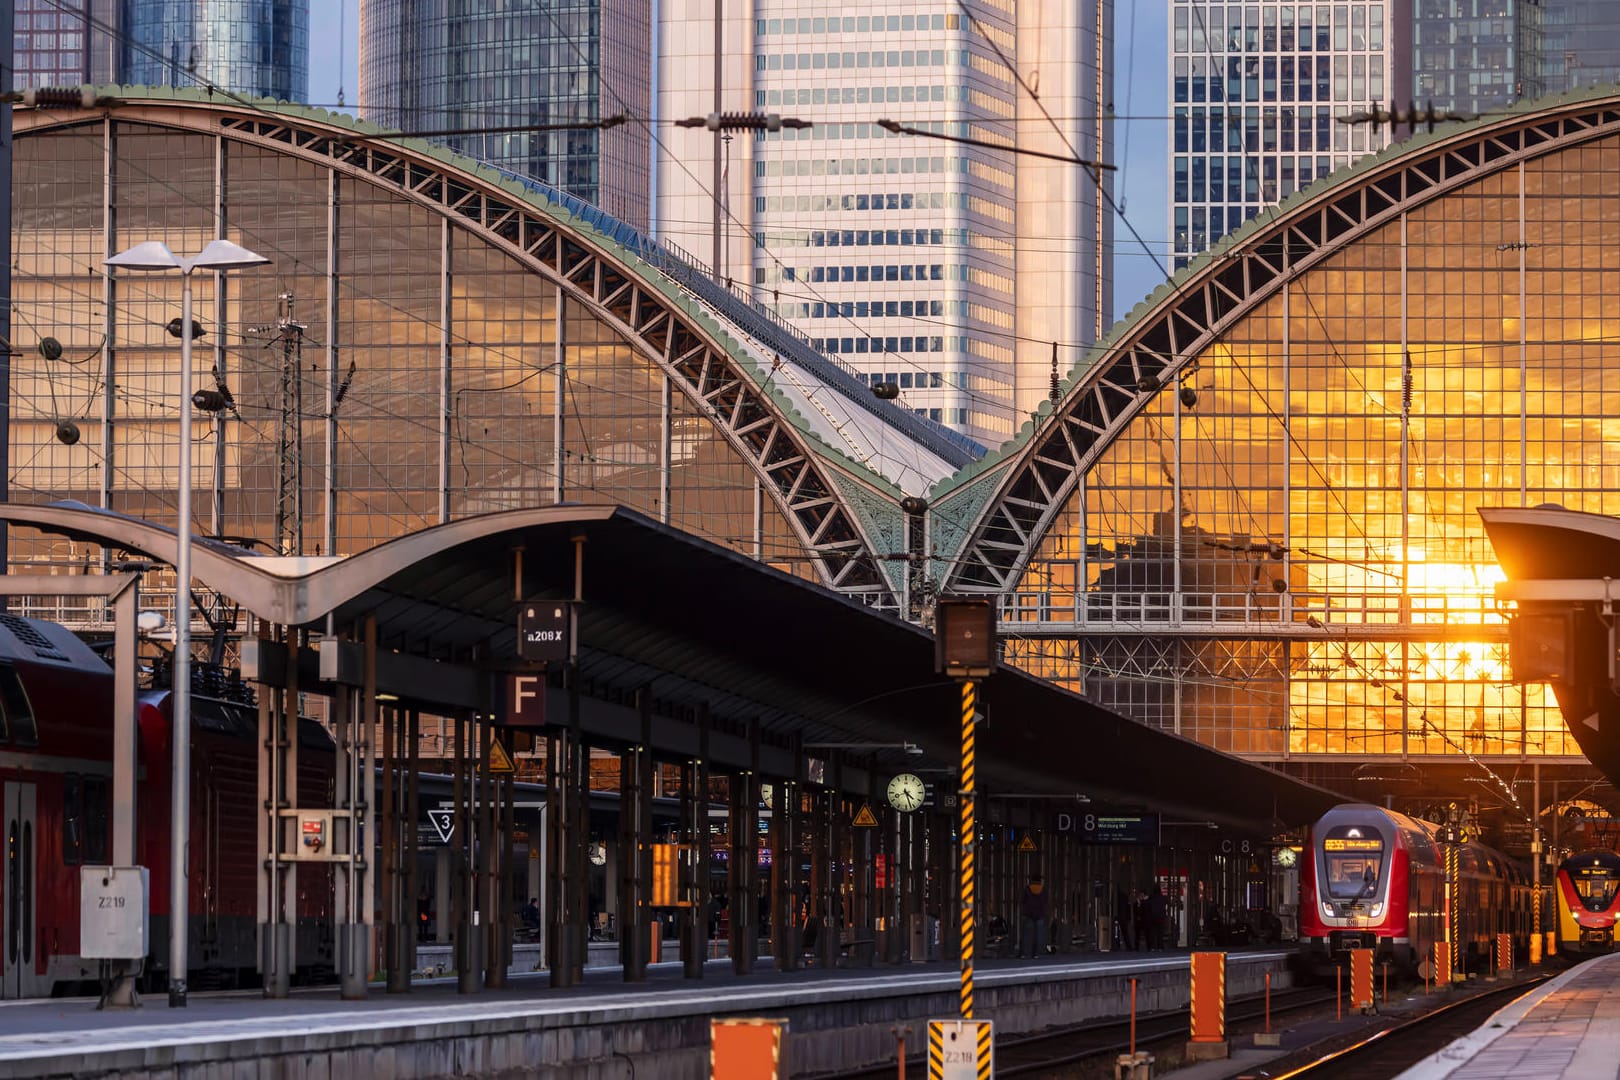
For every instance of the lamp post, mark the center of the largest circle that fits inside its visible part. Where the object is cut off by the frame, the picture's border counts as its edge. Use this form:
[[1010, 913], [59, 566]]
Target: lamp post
[[218, 256]]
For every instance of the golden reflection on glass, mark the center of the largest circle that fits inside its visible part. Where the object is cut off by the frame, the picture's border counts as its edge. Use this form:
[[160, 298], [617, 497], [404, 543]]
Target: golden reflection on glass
[[1329, 472]]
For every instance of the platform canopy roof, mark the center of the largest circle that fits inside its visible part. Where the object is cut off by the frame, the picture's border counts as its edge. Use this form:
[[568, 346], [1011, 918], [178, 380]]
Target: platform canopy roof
[[703, 626]]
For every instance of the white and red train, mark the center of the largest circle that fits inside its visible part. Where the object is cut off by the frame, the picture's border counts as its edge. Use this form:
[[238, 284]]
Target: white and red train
[[1376, 879], [56, 736], [1588, 891]]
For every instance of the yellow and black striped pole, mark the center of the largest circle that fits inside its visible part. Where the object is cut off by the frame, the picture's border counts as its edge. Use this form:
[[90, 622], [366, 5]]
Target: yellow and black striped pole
[[968, 844], [1453, 931]]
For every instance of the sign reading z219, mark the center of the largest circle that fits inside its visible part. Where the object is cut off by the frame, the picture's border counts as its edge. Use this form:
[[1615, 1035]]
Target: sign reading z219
[[543, 631]]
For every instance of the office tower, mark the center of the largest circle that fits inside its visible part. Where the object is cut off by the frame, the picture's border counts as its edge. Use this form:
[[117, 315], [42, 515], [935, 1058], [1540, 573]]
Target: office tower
[[946, 268], [430, 65], [254, 47], [1475, 56], [1580, 43], [1256, 92], [57, 43]]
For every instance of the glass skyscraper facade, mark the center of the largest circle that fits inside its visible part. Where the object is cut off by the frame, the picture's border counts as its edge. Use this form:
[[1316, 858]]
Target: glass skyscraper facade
[[1580, 43], [254, 47], [487, 64], [947, 269], [1475, 56], [1257, 91], [68, 42]]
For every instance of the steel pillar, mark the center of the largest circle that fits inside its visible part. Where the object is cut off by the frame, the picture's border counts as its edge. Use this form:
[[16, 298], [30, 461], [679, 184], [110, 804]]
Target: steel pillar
[[645, 790], [785, 873], [695, 813], [558, 946], [469, 957], [828, 805], [278, 794], [576, 855], [491, 908]]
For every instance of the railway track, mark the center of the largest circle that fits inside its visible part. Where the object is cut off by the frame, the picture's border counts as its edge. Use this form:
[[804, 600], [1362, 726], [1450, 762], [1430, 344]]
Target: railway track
[[1391, 1050], [1034, 1054]]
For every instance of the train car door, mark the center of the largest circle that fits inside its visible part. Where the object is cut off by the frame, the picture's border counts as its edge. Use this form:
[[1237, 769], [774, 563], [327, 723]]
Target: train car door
[[17, 914]]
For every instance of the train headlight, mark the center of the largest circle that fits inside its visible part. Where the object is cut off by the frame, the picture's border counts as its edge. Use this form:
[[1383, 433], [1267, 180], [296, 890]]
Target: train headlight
[[1377, 911], [1327, 909]]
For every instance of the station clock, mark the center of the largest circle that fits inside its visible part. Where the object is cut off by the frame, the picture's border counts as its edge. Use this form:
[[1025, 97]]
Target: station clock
[[906, 792]]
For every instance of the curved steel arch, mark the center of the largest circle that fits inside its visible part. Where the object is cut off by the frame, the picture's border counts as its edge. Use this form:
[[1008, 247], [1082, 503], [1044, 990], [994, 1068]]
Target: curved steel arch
[[1216, 293], [615, 289]]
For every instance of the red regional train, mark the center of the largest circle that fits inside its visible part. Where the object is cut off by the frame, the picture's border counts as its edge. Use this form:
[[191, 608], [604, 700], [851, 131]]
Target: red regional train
[[56, 735], [1588, 889], [1375, 879]]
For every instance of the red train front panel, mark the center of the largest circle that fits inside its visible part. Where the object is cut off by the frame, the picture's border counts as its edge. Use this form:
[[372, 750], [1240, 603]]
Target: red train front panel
[[1588, 889]]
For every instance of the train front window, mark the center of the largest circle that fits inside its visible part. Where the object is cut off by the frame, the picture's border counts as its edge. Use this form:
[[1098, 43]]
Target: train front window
[[1595, 885], [1354, 864]]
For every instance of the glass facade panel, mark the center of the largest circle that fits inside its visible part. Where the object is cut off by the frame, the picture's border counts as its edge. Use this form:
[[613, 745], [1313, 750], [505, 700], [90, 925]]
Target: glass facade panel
[[1311, 486], [440, 348]]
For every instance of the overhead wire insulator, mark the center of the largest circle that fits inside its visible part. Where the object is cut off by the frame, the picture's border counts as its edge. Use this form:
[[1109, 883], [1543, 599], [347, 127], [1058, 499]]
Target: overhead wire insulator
[[62, 97], [749, 121]]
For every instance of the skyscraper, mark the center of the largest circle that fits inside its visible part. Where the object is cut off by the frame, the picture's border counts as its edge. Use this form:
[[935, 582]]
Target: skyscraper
[[947, 268], [1473, 56], [1256, 93], [1580, 43], [56, 44], [254, 47], [430, 65]]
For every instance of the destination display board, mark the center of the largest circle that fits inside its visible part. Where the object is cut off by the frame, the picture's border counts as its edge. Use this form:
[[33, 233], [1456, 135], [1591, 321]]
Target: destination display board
[[1102, 826]]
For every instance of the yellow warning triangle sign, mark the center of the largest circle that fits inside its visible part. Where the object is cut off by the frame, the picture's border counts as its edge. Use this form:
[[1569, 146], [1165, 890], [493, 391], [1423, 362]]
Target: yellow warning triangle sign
[[1027, 843], [864, 818], [499, 760]]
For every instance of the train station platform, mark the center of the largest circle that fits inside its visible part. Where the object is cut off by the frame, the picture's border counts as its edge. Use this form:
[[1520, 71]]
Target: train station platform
[[1568, 1027], [837, 1019]]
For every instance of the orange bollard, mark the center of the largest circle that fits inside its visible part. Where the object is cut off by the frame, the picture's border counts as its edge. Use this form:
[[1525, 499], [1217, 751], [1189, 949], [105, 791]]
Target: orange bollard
[[1361, 980], [1268, 1003], [1133, 1018], [1208, 1011], [1386, 982], [900, 1034], [1338, 992]]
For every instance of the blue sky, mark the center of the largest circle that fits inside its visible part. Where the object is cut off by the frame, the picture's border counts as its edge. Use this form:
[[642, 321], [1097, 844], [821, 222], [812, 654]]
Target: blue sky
[[1140, 88]]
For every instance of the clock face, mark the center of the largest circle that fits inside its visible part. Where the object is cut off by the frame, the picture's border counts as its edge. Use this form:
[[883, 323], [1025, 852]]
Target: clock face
[[906, 792], [1287, 856], [598, 853]]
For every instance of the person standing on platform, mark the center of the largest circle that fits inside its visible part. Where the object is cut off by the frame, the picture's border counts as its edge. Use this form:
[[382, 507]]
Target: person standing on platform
[[1033, 912], [1155, 917]]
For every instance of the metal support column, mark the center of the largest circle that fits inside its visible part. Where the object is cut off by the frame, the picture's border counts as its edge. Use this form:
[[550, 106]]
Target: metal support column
[[695, 815], [624, 861], [557, 945], [491, 905], [413, 814], [743, 868], [784, 873], [469, 975], [829, 805], [577, 854], [645, 765], [388, 832]]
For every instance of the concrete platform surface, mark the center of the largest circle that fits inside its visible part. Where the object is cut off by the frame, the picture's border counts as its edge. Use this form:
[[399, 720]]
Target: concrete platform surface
[[49, 1037], [1566, 1028]]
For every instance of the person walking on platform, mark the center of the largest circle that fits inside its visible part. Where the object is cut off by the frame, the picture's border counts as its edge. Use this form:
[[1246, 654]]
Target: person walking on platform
[[1033, 912]]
